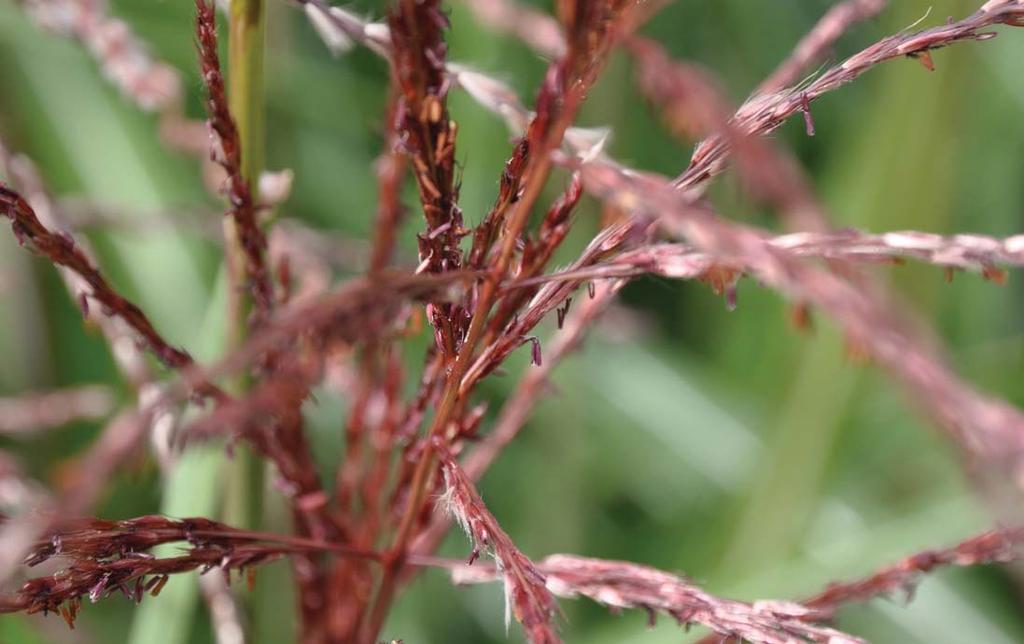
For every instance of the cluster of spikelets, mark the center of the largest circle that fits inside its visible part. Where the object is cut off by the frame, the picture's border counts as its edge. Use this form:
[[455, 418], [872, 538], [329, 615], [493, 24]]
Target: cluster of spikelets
[[482, 289]]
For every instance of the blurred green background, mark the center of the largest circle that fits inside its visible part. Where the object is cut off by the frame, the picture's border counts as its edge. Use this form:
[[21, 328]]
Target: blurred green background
[[759, 461]]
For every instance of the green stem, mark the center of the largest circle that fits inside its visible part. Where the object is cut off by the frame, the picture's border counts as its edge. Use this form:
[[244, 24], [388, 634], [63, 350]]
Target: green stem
[[245, 83], [247, 32]]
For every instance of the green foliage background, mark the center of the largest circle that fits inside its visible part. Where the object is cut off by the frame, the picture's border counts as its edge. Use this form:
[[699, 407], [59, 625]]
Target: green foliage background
[[758, 461]]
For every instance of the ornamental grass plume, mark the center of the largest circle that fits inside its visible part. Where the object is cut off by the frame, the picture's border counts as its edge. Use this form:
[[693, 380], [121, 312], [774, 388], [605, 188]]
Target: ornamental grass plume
[[411, 343]]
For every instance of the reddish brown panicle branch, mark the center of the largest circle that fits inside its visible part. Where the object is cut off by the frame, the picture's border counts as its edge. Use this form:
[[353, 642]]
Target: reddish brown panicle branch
[[111, 556], [620, 584], [428, 136], [227, 151], [994, 546], [526, 595], [978, 253], [60, 249], [763, 113]]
